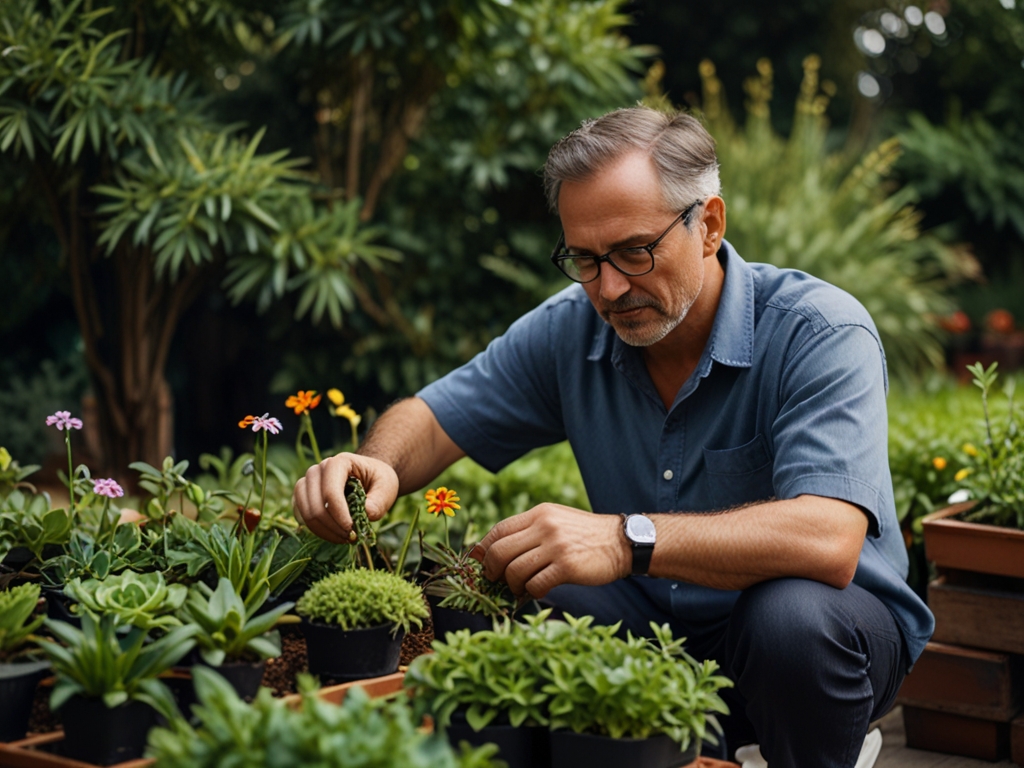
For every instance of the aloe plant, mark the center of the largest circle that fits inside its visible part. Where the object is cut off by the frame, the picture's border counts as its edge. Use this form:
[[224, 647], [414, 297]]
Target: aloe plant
[[97, 662], [142, 600], [228, 630], [16, 621]]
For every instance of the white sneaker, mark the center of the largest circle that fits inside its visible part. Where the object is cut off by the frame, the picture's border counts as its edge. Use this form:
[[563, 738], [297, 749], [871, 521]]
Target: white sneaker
[[750, 755]]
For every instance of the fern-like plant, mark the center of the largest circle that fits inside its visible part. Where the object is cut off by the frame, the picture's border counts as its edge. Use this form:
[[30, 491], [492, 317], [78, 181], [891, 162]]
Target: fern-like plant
[[359, 599]]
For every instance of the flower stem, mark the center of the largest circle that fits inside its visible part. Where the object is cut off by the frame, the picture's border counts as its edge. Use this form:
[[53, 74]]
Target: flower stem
[[308, 423], [263, 488], [446, 542], [404, 551], [355, 436], [71, 472]]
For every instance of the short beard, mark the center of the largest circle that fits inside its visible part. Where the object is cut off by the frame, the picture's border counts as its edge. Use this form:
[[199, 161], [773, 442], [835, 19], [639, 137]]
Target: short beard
[[643, 333]]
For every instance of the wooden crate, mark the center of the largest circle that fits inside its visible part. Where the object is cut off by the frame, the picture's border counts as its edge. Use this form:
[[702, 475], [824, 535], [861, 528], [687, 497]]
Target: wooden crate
[[965, 681], [977, 616], [952, 543], [955, 734], [32, 752], [1017, 741]]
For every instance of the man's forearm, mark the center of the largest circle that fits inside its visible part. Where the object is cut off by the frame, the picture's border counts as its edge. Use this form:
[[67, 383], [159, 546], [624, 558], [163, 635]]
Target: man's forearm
[[808, 537], [408, 438]]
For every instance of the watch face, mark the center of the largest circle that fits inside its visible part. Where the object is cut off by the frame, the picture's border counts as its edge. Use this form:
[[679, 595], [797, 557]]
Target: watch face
[[640, 529]]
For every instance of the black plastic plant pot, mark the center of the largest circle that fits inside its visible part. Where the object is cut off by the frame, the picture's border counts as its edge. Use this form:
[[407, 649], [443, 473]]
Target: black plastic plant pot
[[584, 750], [354, 654], [520, 747], [245, 677], [17, 558], [452, 619], [96, 734], [58, 607], [17, 690]]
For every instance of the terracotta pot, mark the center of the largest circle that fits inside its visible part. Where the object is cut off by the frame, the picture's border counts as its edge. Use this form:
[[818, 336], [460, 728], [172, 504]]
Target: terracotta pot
[[992, 549]]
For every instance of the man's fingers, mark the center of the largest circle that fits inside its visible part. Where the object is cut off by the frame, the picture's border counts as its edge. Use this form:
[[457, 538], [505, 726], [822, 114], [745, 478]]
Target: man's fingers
[[543, 582], [524, 568], [334, 474], [505, 550], [381, 491], [506, 527]]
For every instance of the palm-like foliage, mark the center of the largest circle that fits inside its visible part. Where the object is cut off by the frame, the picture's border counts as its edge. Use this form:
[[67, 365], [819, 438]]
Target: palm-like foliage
[[794, 203], [98, 662]]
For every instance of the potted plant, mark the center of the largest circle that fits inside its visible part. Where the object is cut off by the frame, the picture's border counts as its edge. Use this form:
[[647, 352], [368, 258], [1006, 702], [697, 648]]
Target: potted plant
[[633, 702], [20, 671], [984, 532], [359, 731], [354, 622], [485, 687], [235, 639], [460, 596], [142, 600], [28, 526], [107, 686]]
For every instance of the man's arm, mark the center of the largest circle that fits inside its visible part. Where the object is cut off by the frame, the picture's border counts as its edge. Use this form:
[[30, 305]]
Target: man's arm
[[405, 450], [808, 537]]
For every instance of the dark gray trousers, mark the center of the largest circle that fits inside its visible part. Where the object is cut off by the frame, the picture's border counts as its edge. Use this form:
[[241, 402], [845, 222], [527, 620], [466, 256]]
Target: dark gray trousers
[[813, 665]]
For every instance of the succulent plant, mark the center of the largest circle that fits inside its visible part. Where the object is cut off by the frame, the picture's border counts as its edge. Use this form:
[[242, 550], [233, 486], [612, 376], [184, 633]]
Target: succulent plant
[[16, 622], [227, 629], [461, 584], [360, 598], [142, 600]]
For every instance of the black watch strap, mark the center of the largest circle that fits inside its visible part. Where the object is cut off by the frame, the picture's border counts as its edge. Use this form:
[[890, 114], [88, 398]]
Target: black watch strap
[[642, 558]]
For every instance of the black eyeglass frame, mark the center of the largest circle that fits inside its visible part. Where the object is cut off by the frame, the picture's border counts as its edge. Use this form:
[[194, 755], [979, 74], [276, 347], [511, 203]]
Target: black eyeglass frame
[[559, 256]]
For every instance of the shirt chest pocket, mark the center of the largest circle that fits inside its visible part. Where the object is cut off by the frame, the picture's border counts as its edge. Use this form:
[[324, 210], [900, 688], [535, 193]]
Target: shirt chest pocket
[[739, 475]]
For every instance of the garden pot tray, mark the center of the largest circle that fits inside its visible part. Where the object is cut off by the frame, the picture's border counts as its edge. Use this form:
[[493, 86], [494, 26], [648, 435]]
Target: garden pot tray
[[951, 543], [32, 752]]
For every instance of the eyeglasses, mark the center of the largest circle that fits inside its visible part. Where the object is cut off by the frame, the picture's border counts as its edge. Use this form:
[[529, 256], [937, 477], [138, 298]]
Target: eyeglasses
[[633, 261]]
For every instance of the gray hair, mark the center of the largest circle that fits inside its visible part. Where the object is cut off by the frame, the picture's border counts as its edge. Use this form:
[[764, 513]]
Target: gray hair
[[681, 148]]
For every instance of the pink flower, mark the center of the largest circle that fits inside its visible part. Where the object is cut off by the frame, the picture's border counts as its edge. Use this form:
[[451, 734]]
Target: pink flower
[[267, 422], [63, 420], [107, 486]]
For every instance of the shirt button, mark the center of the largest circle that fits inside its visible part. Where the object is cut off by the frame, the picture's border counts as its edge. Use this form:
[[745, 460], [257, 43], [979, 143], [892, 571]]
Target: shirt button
[[667, 474]]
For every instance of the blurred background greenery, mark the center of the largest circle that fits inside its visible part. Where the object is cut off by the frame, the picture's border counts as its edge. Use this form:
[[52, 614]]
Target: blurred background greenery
[[208, 206]]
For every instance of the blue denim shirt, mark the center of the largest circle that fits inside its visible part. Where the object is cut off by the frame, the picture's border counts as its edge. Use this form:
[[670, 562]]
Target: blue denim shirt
[[788, 399]]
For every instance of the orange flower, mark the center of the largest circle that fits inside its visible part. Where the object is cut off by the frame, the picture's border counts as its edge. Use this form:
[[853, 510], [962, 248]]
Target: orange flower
[[939, 463], [442, 500], [301, 401], [247, 422]]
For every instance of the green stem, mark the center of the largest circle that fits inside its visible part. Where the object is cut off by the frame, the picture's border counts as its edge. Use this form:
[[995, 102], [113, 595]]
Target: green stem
[[71, 471], [366, 551], [355, 436], [446, 542], [263, 488], [308, 423], [404, 551]]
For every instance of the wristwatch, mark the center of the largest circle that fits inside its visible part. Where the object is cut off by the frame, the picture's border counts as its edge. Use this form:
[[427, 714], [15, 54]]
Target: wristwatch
[[641, 534]]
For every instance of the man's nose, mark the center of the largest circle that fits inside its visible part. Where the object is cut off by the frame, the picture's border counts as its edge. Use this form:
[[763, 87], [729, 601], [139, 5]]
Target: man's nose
[[613, 283]]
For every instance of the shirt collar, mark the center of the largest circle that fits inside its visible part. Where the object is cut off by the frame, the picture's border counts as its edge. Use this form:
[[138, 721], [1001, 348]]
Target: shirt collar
[[732, 335]]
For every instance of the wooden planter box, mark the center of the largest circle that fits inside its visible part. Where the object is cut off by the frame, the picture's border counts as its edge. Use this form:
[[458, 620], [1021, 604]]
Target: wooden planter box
[[977, 616], [993, 549], [32, 752], [1017, 741], [956, 734]]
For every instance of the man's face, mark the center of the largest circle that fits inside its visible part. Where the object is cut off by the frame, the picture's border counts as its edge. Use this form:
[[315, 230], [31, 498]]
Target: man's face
[[620, 206]]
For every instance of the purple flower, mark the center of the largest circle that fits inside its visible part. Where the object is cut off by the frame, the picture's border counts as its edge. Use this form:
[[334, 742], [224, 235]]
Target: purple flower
[[107, 486], [63, 420], [267, 422]]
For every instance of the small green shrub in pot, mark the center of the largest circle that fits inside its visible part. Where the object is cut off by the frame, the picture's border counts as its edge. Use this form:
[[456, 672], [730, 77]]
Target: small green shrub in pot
[[20, 670], [361, 731], [142, 600], [107, 685], [354, 622]]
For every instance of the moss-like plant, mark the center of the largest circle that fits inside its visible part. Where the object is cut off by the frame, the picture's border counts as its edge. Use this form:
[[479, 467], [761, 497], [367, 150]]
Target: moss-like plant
[[362, 731], [359, 598], [16, 622], [142, 600]]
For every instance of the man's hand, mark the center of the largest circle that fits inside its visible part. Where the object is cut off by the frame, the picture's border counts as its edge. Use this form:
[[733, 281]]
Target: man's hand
[[552, 544], [319, 497]]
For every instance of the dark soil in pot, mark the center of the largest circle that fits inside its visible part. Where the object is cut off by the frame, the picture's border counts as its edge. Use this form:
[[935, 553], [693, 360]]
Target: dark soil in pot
[[17, 692], [354, 654], [95, 734], [520, 747], [584, 750]]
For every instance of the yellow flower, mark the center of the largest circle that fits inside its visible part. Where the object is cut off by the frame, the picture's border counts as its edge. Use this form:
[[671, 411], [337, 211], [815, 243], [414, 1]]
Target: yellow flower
[[5, 459], [346, 412], [969, 449], [961, 474], [939, 463], [442, 500], [335, 396]]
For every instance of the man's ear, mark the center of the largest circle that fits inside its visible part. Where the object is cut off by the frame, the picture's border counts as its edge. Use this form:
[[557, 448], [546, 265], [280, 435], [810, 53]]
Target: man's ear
[[714, 222]]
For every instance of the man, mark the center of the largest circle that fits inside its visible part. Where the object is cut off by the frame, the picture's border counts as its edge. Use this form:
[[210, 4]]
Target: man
[[734, 413]]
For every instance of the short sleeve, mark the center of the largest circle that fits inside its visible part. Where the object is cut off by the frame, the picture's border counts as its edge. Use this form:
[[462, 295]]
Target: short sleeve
[[830, 434], [504, 402]]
